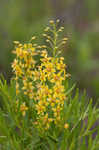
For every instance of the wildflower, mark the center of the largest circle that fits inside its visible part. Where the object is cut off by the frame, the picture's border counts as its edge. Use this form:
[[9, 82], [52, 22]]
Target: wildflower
[[64, 42], [40, 108], [57, 20], [41, 80], [33, 38], [47, 121], [61, 66], [52, 101], [51, 22], [65, 39], [36, 75], [44, 53], [17, 88], [57, 78], [49, 68], [47, 29], [23, 109], [66, 125], [58, 88], [16, 42], [14, 64], [44, 35], [42, 76], [43, 46], [18, 70], [47, 40]]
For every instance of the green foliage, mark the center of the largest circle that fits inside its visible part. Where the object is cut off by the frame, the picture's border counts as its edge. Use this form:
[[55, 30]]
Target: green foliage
[[20, 19], [78, 113]]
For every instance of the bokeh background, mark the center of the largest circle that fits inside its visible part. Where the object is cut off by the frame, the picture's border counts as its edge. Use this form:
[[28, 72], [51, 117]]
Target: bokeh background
[[21, 19]]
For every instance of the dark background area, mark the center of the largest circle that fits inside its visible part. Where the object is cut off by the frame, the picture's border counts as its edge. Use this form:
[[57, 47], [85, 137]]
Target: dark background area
[[21, 19]]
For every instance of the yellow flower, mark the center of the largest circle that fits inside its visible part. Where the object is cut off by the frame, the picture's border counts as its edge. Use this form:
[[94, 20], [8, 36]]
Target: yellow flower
[[61, 66], [36, 75], [18, 70], [17, 88], [33, 38], [16, 42], [49, 68], [14, 64], [46, 121], [19, 52], [58, 88], [52, 101], [40, 107], [57, 78], [51, 22], [45, 59], [42, 77], [44, 53], [47, 91], [66, 125], [23, 109]]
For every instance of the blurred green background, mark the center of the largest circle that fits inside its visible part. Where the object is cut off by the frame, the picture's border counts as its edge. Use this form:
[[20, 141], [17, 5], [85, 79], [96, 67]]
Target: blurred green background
[[20, 19]]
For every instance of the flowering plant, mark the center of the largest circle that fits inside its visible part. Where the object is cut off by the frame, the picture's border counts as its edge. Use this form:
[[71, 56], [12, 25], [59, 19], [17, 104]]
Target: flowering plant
[[38, 110]]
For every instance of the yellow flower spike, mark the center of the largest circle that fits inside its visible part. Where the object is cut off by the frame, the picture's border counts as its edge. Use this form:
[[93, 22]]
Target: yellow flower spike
[[43, 83]]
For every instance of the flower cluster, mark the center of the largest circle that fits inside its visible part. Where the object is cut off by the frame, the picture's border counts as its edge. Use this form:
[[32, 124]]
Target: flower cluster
[[51, 93], [41, 84]]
